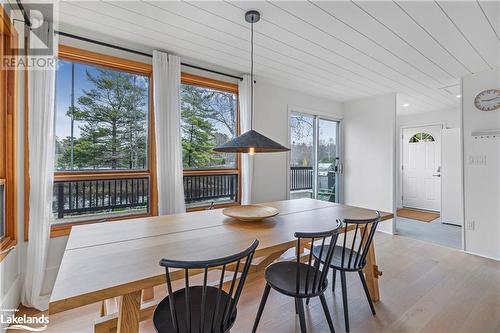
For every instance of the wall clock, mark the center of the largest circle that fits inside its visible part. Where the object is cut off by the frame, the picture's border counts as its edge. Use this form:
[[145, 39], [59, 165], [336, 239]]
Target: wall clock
[[488, 100]]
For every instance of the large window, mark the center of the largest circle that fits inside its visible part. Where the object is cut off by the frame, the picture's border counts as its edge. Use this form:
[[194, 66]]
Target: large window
[[105, 154], [103, 139], [209, 111]]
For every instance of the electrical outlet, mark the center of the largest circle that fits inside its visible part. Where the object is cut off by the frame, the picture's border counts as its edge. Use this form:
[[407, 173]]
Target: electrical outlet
[[471, 225]]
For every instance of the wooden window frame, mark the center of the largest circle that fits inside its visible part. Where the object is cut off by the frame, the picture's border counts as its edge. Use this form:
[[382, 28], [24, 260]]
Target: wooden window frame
[[8, 135], [93, 58], [201, 81]]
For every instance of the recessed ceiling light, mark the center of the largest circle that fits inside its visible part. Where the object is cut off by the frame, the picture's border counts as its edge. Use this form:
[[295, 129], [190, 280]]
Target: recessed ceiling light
[[458, 96], [405, 105]]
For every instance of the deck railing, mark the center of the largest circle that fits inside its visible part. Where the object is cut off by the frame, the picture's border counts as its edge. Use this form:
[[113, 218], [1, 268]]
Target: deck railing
[[86, 196], [301, 178], [201, 188], [80, 197]]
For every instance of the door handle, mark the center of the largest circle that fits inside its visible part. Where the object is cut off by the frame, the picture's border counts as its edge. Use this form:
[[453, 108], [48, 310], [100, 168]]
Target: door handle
[[438, 175]]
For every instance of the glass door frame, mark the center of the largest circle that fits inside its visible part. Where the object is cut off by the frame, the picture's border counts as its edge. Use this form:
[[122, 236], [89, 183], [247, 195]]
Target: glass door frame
[[339, 149], [339, 164]]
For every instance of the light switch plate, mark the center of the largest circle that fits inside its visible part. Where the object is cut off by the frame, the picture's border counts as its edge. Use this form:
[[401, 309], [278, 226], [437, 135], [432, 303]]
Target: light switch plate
[[470, 225], [477, 160]]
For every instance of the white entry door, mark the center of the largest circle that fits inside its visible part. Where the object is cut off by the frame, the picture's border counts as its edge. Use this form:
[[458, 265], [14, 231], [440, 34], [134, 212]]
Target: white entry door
[[421, 167]]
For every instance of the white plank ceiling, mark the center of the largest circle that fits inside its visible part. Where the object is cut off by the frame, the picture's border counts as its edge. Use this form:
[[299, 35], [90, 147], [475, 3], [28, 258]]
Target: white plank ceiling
[[342, 50]]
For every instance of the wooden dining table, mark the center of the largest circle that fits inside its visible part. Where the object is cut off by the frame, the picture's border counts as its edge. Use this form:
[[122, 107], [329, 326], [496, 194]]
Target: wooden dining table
[[120, 260]]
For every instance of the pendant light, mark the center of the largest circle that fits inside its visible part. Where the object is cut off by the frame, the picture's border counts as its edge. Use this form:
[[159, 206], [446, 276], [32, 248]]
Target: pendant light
[[251, 141]]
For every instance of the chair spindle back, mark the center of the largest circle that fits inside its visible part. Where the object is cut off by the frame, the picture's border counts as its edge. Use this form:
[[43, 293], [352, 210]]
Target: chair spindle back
[[314, 278], [218, 316], [354, 252]]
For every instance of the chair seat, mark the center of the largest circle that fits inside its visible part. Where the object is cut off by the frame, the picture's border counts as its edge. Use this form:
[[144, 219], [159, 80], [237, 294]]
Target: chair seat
[[162, 318], [282, 276], [337, 258]]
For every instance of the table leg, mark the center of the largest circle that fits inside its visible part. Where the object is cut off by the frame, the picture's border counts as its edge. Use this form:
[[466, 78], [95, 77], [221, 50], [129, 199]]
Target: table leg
[[129, 313], [302, 248], [148, 294], [372, 274], [103, 309], [109, 306]]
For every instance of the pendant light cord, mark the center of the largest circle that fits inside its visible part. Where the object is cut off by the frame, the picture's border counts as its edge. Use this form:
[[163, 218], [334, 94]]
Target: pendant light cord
[[251, 76]]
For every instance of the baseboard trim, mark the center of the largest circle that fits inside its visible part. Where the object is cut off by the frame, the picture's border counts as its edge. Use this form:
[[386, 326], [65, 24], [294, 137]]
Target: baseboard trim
[[481, 255], [385, 232]]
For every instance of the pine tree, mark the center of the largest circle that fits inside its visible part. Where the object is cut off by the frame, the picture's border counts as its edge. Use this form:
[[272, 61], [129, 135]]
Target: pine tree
[[113, 123], [198, 133]]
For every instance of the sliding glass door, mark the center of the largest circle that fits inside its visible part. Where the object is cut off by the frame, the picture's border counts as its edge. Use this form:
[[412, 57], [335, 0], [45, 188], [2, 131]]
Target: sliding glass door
[[328, 160], [315, 163]]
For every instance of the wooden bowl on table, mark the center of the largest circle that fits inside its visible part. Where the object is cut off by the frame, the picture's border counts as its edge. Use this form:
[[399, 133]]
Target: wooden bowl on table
[[250, 213]]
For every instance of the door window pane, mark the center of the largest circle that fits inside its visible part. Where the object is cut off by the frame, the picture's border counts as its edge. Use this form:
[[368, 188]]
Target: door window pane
[[302, 156], [327, 159]]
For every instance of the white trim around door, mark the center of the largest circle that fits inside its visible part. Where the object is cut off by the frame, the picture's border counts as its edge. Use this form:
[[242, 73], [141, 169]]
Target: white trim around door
[[420, 165]]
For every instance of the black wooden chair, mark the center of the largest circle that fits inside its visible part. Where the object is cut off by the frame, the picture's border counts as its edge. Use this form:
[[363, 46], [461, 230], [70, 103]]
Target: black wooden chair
[[350, 256], [203, 308], [301, 280]]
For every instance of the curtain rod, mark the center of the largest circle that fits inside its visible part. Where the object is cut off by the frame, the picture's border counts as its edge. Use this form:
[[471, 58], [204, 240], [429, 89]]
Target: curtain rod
[[140, 53], [23, 11]]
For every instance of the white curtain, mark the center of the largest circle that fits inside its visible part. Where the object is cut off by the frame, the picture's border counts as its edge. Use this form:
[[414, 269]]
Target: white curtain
[[166, 85], [244, 90], [41, 95]]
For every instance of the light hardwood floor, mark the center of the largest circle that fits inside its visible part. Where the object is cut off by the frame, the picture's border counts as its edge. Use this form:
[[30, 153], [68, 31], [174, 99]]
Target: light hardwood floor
[[424, 288]]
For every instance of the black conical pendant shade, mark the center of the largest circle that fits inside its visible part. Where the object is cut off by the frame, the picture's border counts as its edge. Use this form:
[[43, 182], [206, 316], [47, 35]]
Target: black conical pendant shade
[[251, 142]]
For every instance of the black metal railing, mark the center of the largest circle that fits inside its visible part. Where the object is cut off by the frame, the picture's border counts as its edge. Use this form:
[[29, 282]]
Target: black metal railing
[[78, 197], [210, 187], [301, 178]]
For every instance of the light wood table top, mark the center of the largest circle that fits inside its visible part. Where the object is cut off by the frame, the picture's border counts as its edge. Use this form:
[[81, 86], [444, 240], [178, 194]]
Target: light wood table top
[[111, 259]]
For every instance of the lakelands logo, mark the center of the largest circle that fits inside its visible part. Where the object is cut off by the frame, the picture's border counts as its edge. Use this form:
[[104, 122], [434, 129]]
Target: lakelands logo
[[35, 24], [26, 323]]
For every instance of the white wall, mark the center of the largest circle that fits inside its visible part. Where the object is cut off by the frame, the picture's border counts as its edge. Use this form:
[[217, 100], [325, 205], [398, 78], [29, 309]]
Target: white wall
[[369, 154], [481, 182], [450, 118], [271, 119]]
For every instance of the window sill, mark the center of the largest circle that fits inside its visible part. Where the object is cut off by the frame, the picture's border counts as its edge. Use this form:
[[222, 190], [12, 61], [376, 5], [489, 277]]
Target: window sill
[[6, 245], [222, 205], [63, 229]]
